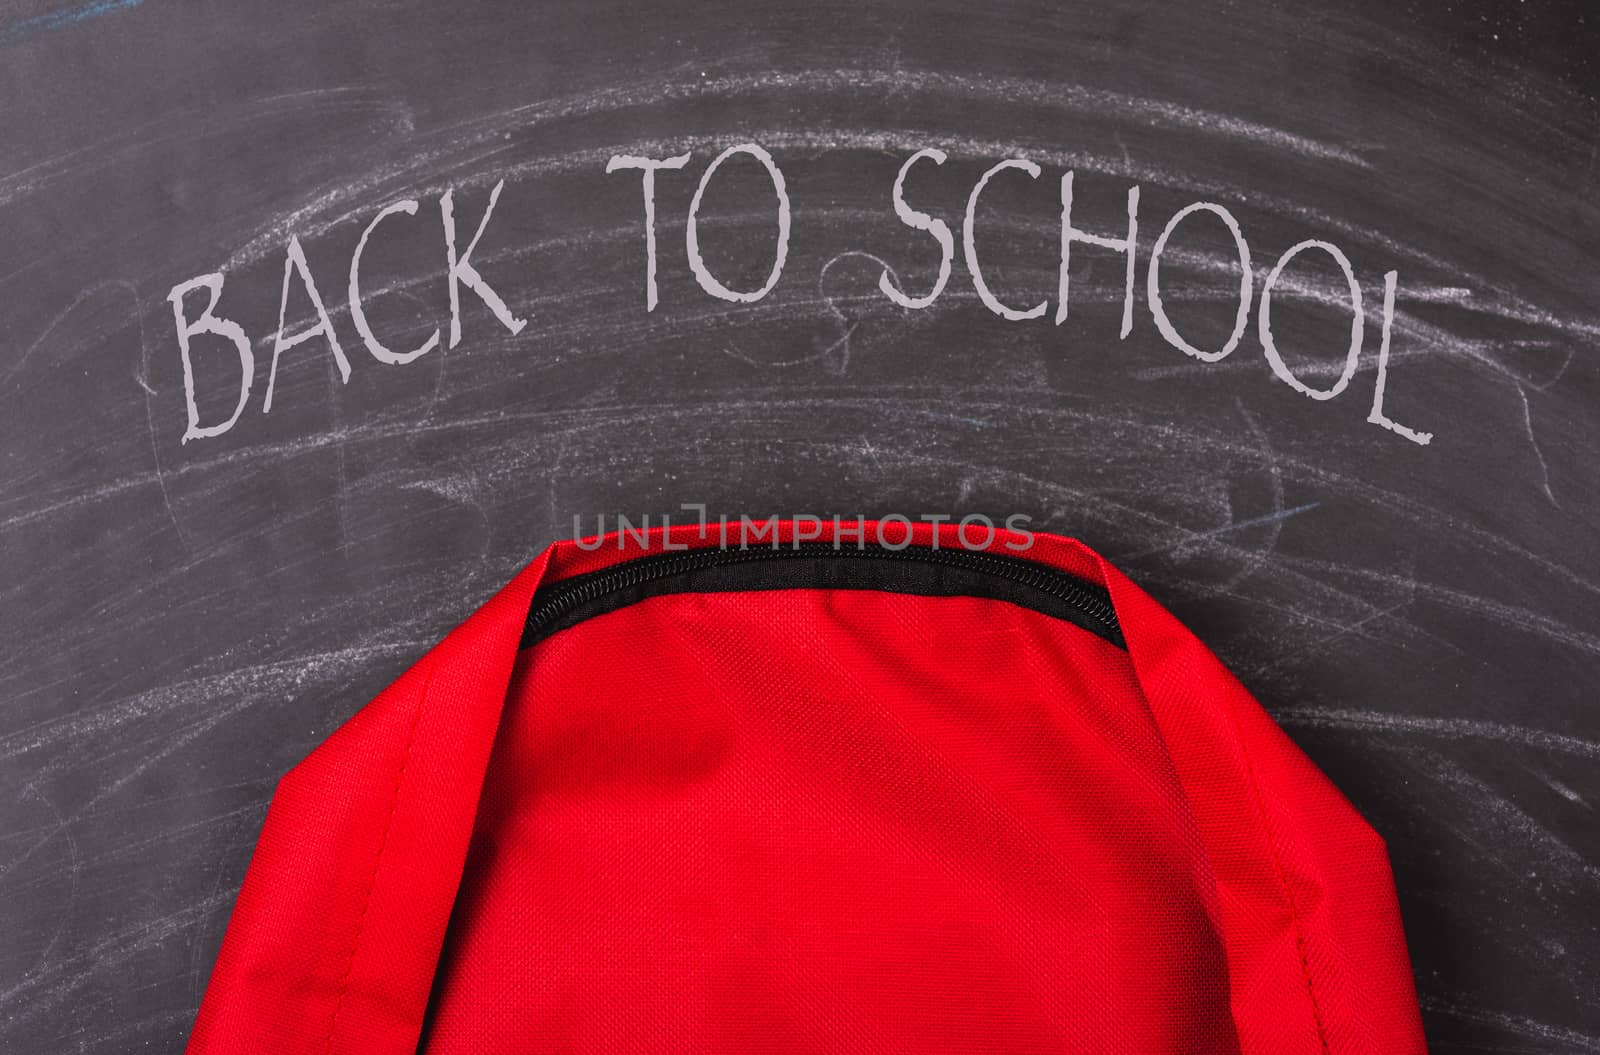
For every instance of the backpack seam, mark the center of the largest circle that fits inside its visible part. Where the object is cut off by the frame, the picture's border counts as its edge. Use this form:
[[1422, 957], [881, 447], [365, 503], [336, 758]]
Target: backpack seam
[[377, 862], [1283, 883]]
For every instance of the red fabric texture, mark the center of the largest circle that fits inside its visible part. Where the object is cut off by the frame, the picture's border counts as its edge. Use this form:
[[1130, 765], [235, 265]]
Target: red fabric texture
[[812, 820]]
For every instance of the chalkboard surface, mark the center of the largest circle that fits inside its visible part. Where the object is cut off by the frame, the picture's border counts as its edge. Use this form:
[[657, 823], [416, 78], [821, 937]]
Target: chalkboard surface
[[190, 605]]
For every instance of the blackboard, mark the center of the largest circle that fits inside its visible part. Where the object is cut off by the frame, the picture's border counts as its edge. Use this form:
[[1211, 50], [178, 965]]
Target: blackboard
[[186, 615]]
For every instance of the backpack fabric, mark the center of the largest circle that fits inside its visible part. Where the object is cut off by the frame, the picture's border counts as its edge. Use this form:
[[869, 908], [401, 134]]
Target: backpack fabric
[[820, 789]]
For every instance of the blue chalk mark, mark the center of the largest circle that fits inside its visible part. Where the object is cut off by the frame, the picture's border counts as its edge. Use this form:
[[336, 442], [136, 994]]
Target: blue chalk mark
[[1240, 525], [937, 415], [30, 27]]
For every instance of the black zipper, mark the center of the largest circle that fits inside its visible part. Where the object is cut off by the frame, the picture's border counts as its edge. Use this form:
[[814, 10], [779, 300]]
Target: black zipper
[[920, 570]]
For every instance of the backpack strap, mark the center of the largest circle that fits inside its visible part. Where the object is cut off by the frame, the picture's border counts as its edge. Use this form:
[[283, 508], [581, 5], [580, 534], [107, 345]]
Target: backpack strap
[[1317, 960], [337, 930]]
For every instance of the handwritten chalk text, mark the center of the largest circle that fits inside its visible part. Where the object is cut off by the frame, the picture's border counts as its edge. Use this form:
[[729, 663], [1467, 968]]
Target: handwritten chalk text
[[460, 273]]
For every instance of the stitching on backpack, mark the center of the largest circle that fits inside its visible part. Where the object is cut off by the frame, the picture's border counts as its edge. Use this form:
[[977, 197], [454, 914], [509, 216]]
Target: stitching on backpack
[[1283, 882], [377, 861]]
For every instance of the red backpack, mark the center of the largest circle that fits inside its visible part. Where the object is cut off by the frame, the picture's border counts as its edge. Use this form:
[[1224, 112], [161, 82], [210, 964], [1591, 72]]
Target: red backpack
[[718, 791]]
